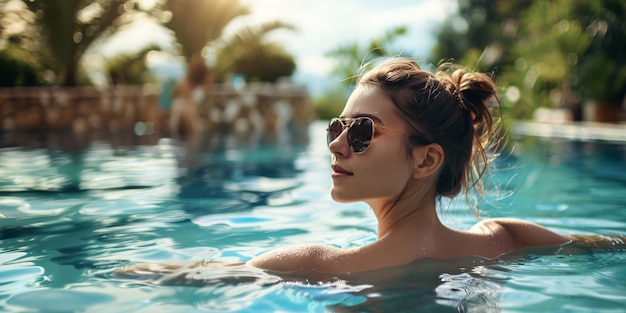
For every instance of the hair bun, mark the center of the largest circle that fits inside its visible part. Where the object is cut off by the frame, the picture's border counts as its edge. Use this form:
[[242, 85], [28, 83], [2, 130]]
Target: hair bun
[[474, 92]]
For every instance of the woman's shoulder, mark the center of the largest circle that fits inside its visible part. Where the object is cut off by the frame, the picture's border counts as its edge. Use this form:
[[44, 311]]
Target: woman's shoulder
[[519, 233], [304, 257]]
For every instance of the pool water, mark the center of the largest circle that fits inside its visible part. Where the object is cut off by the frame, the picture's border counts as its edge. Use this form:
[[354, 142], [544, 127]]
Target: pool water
[[73, 212]]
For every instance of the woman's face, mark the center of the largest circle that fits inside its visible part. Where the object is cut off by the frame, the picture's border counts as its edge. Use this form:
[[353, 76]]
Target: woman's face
[[380, 174]]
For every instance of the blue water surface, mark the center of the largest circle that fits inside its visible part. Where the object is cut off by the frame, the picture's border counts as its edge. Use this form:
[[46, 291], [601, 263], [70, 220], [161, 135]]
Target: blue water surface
[[75, 210]]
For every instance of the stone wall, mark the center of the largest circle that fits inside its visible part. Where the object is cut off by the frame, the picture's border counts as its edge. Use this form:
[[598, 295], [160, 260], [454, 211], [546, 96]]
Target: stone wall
[[83, 109]]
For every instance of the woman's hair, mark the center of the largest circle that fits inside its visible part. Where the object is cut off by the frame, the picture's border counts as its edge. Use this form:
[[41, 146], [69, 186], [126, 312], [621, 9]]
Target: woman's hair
[[451, 107]]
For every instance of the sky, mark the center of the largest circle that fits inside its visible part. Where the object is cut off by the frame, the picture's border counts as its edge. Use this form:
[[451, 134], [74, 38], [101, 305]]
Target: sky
[[323, 25]]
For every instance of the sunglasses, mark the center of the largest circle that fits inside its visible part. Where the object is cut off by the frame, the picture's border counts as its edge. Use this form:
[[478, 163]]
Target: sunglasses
[[360, 132]]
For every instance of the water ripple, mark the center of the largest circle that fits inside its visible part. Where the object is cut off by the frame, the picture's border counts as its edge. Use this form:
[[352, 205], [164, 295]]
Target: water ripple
[[54, 300], [17, 274]]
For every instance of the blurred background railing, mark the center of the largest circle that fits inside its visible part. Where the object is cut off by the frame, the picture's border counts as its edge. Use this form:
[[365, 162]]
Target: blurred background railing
[[255, 107], [78, 108]]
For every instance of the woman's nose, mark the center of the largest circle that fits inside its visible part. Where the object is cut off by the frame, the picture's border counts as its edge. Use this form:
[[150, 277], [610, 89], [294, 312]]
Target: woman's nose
[[339, 145]]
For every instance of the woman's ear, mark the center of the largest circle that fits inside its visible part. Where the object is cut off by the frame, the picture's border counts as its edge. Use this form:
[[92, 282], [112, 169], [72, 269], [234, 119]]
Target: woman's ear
[[427, 160]]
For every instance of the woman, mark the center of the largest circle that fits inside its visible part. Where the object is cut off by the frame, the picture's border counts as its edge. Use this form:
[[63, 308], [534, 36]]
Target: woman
[[407, 137]]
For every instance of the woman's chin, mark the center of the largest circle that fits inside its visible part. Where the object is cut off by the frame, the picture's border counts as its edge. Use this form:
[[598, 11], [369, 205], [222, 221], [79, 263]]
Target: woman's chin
[[338, 197]]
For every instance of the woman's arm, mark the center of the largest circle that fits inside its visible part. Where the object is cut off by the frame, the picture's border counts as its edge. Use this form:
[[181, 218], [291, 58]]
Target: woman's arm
[[595, 243], [526, 234], [196, 274], [523, 234]]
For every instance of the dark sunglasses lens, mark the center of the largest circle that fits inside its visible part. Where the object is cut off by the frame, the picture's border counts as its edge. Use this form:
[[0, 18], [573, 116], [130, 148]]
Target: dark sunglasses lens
[[360, 134], [335, 127]]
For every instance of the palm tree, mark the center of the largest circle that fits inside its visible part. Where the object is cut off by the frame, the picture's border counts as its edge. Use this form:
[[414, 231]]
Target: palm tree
[[247, 53], [196, 23], [69, 27]]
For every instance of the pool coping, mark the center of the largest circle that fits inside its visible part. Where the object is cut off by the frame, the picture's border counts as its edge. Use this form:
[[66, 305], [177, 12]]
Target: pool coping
[[571, 130]]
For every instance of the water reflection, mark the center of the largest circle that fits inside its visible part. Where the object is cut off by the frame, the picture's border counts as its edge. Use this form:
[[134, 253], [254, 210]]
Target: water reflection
[[63, 162], [555, 177]]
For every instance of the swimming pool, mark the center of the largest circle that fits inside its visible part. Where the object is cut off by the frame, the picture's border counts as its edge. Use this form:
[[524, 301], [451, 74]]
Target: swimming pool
[[74, 212]]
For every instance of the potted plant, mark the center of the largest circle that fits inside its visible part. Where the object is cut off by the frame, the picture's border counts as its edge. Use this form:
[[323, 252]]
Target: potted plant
[[602, 68]]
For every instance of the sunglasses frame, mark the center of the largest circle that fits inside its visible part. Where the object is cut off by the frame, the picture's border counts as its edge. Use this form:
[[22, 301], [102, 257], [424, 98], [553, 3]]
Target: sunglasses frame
[[348, 123]]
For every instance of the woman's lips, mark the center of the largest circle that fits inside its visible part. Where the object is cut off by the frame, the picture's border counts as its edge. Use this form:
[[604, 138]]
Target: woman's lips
[[340, 171]]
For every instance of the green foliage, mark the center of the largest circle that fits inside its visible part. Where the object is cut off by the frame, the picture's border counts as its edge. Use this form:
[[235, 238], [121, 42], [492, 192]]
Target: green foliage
[[550, 40], [267, 63], [246, 53], [352, 57], [60, 31], [130, 69], [549, 43], [331, 103], [18, 66], [543, 51], [603, 79], [488, 26], [69, 27], [602, 67]]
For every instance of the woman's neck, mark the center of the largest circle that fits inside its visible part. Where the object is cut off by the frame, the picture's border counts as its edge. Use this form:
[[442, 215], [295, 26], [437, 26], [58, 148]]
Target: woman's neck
[[416, 212]]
